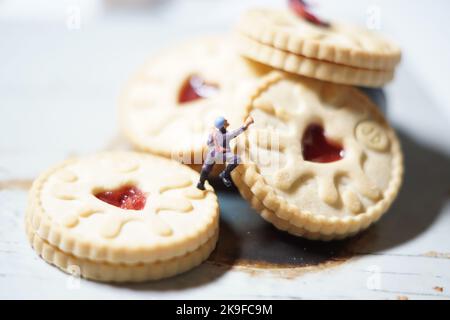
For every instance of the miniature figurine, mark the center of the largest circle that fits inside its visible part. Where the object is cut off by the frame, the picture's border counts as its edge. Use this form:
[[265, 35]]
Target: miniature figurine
[[219, 150]]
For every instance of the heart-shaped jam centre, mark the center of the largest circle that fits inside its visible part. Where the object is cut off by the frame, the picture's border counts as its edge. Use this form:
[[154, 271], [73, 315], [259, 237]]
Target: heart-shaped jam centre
[[195, 87], [317, 148], [301, 8], [127, 197]]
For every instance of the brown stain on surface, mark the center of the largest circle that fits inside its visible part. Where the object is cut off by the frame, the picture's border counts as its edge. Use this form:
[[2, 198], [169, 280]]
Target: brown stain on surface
[[14, 184], [249, 243]]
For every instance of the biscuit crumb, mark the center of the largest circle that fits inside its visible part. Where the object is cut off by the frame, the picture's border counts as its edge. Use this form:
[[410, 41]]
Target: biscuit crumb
[[438, 289], [434, 254]]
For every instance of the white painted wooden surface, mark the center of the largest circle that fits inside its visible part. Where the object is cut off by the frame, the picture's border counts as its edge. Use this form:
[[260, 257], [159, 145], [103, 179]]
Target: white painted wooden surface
[[58, 88]]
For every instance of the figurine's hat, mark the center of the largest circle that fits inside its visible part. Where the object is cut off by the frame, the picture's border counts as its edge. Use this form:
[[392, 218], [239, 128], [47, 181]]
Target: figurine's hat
[[219, 122]]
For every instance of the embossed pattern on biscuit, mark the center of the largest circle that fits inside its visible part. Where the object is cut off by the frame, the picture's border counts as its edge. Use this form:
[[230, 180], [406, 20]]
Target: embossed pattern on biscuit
[[175, 215], [79, 194], [343, 187]]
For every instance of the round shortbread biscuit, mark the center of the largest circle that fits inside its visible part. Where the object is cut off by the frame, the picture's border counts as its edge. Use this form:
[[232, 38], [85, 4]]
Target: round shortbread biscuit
[[338, 43], [68, 209], [107, 272], [340, 187], [322, 70], [154, 118]]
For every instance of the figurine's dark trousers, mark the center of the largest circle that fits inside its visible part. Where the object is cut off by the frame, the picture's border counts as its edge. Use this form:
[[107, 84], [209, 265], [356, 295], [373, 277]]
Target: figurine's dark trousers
[[214, 157]]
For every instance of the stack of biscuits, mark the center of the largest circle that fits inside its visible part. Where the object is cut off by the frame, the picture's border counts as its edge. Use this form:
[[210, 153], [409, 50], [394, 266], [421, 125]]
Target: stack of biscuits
[[122, 217], [334, 52], [320, 161]]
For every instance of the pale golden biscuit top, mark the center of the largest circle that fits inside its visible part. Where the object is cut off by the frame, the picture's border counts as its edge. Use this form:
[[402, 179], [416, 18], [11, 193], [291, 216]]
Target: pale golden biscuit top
[[369, 172], [340, 43], [176, 219], [150, 113]]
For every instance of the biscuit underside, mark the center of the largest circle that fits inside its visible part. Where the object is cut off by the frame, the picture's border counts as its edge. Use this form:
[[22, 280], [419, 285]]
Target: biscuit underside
[[311, 68], [294, 42], [107, 272], [56, 236], [276, 209]]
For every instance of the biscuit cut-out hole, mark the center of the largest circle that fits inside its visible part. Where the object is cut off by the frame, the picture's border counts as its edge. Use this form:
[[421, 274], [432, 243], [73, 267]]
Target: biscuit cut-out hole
[[316, 147], [126, 197], [301, 9], [194, 88]]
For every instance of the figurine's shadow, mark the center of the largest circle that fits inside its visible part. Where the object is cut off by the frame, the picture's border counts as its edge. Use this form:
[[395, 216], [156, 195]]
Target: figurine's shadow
[[378, 97]]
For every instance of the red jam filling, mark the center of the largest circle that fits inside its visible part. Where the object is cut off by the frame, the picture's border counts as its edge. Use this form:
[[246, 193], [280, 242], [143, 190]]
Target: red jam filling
[[196, 88], [127, 197], [317, 148], [301, 8]]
